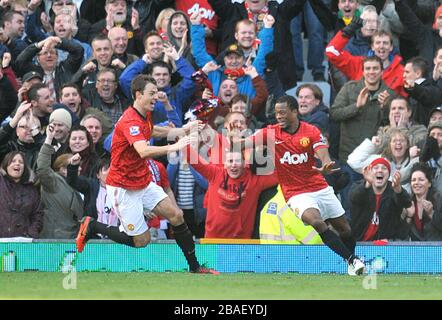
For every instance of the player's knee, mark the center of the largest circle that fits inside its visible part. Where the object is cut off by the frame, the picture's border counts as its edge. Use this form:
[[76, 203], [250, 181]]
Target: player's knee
[[177, 217], [319, 225], [142, 241]]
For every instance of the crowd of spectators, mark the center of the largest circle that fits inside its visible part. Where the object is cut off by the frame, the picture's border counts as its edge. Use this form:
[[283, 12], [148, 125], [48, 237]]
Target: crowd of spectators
[[70, 63]]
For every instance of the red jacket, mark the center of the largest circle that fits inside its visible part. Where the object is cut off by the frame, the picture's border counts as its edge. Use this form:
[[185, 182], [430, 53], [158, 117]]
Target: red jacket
[[351, 66], [231, 210]]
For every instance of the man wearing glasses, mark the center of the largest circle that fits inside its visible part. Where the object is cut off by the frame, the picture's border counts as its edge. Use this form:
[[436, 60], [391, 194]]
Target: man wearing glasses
[[27, 139], [54, 74], [106, 97]]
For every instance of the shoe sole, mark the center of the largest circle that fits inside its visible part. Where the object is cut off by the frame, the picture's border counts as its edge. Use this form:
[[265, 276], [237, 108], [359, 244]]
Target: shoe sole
[[80, 240]]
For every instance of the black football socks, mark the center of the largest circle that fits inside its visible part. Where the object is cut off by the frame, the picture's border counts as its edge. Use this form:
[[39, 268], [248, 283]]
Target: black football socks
[[184, 239], [113, 233], [334, 242]]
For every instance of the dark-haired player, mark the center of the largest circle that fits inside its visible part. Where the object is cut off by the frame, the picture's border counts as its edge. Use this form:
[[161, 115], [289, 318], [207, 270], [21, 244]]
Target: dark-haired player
[[296, 145], [129, 183]]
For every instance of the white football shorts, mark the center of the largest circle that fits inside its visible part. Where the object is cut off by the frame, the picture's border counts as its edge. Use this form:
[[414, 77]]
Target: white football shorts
[[130, 204], [323, 200]]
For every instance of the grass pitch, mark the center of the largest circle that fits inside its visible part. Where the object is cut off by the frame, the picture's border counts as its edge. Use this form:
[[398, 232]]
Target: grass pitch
[[174, 286]]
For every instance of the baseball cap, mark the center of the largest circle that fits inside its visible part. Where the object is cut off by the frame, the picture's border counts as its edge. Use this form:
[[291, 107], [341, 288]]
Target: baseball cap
[[31, 75], [439, 108], [233, 48]]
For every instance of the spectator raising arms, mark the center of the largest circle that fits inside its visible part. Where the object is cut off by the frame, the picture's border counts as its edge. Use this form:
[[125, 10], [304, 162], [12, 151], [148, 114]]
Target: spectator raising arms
[[377, 204], [81, 142], [94, 190], [233, 192], [398, 151]]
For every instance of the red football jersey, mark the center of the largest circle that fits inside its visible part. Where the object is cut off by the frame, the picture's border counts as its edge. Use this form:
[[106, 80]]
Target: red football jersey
[[294, 157], [128, 170]]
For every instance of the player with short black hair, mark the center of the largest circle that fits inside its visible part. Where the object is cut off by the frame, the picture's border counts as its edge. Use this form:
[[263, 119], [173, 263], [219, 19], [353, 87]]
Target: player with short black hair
[[296, 144], [129, 184]]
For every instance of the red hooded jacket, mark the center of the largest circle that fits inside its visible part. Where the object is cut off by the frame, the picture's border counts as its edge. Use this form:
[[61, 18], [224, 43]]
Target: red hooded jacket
[[352, 67]]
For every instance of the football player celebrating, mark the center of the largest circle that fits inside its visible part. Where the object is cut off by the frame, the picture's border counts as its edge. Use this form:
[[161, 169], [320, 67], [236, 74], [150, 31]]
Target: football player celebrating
[[296, 144]]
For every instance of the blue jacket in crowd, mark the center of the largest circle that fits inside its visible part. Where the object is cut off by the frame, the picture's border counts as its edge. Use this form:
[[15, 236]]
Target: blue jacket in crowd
[[177, 95], [244, 83]]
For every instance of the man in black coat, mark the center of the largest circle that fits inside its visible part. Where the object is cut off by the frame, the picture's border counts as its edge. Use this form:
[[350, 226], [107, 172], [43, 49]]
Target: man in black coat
[[118, 15], [377, 204], [424, 94]]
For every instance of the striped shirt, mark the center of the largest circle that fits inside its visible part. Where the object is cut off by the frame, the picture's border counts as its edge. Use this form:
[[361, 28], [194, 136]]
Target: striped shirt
[[186, 183]]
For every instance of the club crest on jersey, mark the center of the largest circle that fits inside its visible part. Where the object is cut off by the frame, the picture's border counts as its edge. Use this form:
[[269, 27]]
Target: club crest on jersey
[[135, 130], [304, 142]]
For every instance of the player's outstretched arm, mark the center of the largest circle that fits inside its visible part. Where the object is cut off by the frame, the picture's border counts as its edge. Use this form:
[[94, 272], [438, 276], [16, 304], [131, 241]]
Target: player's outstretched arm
[[172, 133], [237, 137], [327, 164], [147, 151]]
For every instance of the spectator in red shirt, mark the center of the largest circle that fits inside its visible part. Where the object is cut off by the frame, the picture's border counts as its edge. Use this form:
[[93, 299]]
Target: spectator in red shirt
[[233, 192], [352, 67]]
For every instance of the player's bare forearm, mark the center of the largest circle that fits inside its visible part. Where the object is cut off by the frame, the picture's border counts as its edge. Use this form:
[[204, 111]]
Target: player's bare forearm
[[160, 132], [146, 151], [323, 155], [327, 164], [155, 151], [165, 132]]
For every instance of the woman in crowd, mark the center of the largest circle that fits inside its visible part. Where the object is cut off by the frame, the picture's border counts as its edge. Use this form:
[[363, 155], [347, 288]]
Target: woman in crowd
[[21, 210], [178, 34], [425, 214], [397, 152], [163, 21], [93, 190], [81, 142]]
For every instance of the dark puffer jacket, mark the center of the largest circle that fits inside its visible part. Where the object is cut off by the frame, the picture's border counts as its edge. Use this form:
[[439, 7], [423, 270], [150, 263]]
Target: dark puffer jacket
[[21, 209]]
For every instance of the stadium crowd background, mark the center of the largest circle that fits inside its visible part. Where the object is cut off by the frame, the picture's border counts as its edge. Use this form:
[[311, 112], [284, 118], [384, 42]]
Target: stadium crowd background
[[71, 63]]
